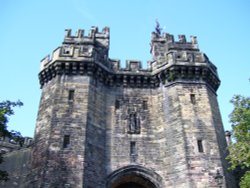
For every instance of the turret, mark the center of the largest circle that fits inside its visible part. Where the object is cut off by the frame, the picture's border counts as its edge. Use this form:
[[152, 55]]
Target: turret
[[94, 46], [181, 60]]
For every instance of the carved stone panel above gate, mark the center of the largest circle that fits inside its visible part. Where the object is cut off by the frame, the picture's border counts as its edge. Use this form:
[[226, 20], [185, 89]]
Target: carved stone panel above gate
[[131, 113]]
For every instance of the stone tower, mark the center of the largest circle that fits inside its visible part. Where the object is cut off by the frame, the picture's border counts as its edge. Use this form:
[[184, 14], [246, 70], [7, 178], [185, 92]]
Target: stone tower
[[103, 126]]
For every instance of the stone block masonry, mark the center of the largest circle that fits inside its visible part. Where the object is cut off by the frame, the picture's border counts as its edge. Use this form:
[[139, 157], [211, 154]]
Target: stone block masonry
[[100, 125]]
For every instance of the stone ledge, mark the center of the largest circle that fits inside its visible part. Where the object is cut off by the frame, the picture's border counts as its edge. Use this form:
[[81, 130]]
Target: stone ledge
[[173, 73]]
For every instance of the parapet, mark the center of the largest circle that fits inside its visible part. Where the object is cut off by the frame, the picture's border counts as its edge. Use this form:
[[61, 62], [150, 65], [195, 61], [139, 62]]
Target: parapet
[[80, 47], [172, 44], [8, 145], [172, 60], [134, 65], [93, 36]]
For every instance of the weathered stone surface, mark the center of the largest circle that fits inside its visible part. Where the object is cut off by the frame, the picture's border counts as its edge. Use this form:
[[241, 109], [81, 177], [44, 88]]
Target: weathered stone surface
[[100, 125], [17, 164]]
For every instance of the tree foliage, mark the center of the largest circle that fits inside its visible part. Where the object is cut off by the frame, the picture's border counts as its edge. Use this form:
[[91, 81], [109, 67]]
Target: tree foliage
[[239, 150], [6, 110]]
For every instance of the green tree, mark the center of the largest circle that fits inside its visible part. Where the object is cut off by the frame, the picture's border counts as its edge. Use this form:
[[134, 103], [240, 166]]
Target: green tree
[[239, 150], [6, 110]]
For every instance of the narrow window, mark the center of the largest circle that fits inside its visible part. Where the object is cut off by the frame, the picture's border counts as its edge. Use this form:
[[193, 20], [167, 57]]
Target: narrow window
[[117, 104], [200, 146], [192, 98], [71, 95], [66, 141], [132, 148], [144, 105], [66, 51]]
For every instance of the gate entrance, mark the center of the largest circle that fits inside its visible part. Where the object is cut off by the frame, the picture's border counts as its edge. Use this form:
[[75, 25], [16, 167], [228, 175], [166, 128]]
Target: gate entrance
[[133, 176], [133, 182], [130, 185]]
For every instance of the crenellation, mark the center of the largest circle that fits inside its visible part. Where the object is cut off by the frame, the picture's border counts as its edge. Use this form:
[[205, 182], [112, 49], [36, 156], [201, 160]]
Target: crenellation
[[114, 64], [93, 33], [80, 33], [133, 65], [106, 31], [169, 39], [89, 52], [194, 39], [104, 34], [93, 37], [67, 33], [44, 61], [182, 39]]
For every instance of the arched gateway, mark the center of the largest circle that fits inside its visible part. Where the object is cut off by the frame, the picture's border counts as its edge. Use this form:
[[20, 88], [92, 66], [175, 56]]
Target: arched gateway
[[134, 176]]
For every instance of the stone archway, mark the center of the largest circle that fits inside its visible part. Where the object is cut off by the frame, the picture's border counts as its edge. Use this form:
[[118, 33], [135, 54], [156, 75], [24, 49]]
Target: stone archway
[[130, 185], [134, 176], [132, 180]]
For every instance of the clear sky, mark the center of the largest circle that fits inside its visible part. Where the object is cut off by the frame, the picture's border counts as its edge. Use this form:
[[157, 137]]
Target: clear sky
[[31, 29]]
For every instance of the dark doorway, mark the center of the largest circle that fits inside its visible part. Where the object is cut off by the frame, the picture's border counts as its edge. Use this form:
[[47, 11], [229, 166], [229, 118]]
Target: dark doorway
[[133, 177], [130, 185]]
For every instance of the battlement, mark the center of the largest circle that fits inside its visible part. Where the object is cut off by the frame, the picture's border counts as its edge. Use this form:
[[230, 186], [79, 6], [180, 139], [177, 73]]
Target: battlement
[[80, 47], [8, 145], [93, 36], [88, 55], [132, 67], [114, 65], [50, 58], [170, 38], [170, 43]]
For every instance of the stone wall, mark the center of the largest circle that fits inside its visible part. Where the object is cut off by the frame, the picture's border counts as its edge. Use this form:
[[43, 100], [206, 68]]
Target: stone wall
[[229, 179], [60, 117], [201, 146], [17, 164], [95, 138], [171, 126]]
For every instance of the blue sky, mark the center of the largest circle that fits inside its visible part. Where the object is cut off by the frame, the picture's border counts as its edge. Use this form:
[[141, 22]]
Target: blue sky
[[32, 29]]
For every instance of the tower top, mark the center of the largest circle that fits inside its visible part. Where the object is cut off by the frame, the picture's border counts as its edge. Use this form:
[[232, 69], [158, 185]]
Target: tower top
[[89, 55], [94, 35], [172, 44]]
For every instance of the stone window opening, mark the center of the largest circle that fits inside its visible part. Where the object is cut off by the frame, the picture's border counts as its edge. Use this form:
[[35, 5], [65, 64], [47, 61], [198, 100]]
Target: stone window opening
[[192, 98], [200, 146], [71, 95], [133, 148], [144, 105], [66, 141], [66, 50], [117, 104]]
